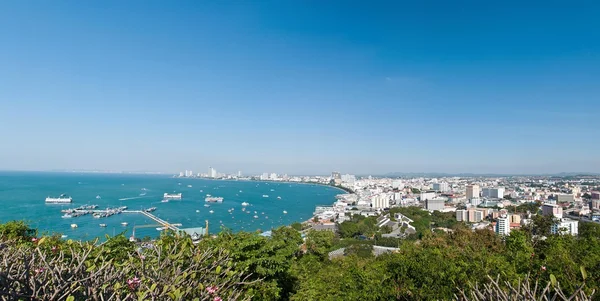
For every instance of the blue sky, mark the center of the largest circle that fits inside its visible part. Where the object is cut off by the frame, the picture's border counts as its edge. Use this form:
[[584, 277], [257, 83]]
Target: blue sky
[[301, 86]]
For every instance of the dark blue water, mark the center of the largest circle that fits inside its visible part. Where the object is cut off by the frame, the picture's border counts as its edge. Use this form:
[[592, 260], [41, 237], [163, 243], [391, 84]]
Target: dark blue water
[[22, 195]]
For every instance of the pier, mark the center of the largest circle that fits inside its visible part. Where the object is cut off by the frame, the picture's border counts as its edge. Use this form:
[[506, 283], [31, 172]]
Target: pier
[[170, 226]]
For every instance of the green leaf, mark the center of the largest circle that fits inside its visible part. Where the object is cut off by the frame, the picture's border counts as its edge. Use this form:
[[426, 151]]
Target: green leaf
[[583, 273], [218, 269], [553, 280], [41, 240], [70, 298], [153, 287]]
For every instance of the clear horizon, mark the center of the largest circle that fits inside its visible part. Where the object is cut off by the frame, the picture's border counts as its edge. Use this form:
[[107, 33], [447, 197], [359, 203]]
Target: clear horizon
[[300, 87]]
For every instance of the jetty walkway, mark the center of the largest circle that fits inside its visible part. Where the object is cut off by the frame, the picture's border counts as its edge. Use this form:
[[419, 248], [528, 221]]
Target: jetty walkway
[[149, 215]]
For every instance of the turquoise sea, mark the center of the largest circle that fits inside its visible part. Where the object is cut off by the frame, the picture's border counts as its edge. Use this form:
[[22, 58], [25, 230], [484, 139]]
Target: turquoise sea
[[22, 196]]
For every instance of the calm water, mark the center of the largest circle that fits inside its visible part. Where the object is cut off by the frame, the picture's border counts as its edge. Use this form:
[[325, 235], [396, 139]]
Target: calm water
[[22, 196]]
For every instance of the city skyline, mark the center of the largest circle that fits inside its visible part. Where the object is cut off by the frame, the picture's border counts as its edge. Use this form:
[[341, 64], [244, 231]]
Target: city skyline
[[292, 88]]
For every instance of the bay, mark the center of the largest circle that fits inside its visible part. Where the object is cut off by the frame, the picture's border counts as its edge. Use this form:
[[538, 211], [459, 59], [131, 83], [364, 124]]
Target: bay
[[22, 196]]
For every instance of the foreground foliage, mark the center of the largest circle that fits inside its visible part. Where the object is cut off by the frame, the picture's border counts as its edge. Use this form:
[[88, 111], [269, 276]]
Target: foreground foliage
[[247, 266]]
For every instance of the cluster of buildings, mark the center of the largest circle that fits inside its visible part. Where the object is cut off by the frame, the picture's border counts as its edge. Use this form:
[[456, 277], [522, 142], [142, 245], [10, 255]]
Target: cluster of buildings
[[480, 202]]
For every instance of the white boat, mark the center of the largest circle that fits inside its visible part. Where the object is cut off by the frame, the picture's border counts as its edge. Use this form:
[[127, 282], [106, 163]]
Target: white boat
[[201, 190], [73, 225], [62, 199], [189, 186], [206, 205], [98, 197], [172, 196], [243, 209], [256, 216], [214, 199], [245, 204], [63, 236], [103, 225], [164, 201], [208, 195], [241, 191], [197, 211], [265, 195], [211, 212], [284, 212], [124, 223], [279, 198], [272, 189], [161, 228], [67, 215]]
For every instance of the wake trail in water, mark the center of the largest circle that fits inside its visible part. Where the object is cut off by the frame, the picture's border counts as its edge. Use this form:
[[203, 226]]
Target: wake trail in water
[[133, 198]]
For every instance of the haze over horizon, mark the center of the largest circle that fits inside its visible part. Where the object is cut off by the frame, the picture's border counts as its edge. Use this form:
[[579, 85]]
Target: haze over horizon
[[300, 87]]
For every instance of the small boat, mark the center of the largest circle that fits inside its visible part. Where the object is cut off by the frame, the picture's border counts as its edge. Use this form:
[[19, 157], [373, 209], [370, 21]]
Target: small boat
[[103, 225], [256, 216], [124, 223], [265, 195], [98, 197], [241, 191], [245, 204], [243, 209], [189, 186], [266, 217], [151, 209], [161, 228], [64, 236], [73, 226], [201, 190], [67, 215], [272, 189], [197, 211], [206, 205], [279, 198], [164, 201], [211, 212], [208, 195], [284, 212]]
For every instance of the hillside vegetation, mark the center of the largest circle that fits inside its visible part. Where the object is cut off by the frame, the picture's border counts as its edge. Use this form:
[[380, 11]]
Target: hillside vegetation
[[465, 264]]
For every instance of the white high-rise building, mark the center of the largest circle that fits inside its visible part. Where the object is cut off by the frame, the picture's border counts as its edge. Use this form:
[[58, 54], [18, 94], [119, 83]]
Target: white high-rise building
[[212, 173], [566, 226], [264, 176], [503, 225], [350, 179], [495, 193], [380, 201], [441, 187], [273, 176], [239, 174]]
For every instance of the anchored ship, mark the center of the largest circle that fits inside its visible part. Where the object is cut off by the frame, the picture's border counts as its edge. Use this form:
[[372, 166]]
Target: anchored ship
[[62, 199], [214, 200], [174, 196]]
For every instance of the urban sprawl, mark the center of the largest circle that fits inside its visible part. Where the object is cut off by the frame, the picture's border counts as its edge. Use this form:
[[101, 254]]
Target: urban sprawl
[[481, 202]]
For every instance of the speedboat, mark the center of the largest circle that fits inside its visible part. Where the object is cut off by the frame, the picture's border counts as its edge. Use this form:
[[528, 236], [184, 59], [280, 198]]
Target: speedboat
[[103, 225], [124, 223], [256, 216], [265, 195], [245, 204], [197, 211], [164, 201], [73, 226], [284, 212], [211, 212], [279, 198], [206, 205]]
